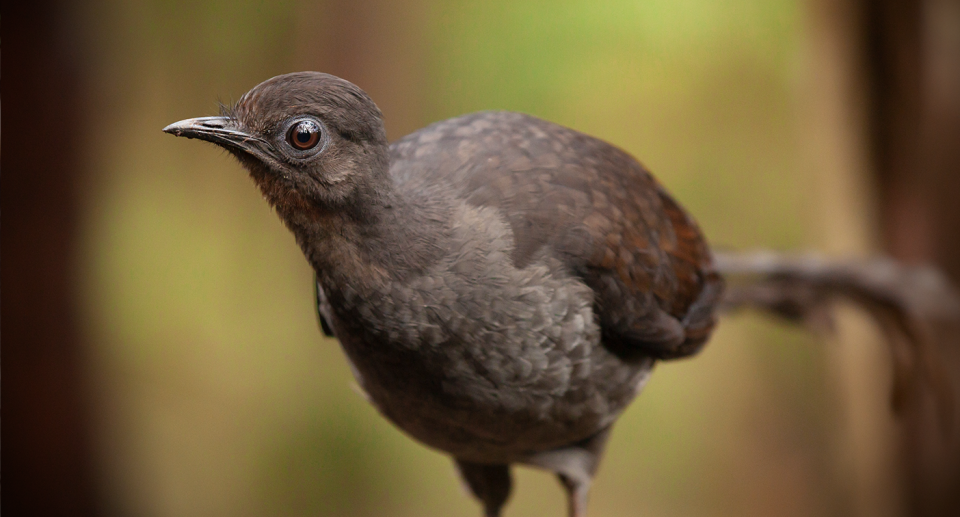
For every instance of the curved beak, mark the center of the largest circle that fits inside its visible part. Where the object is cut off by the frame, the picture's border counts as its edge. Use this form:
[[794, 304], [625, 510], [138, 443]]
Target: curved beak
[[222, 131]]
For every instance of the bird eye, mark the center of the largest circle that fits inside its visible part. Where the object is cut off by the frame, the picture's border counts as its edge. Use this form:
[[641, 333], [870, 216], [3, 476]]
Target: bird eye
[[304, 135]]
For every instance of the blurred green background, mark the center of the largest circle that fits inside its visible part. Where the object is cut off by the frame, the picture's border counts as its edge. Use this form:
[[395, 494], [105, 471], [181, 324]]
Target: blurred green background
[[218, 396]]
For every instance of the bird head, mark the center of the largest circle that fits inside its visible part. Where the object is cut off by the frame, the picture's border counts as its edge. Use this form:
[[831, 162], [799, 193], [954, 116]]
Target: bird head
[[311, 141]]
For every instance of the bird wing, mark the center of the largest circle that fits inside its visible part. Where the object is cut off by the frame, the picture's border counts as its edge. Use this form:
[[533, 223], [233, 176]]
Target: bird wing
[[321, 300], [587, 203]]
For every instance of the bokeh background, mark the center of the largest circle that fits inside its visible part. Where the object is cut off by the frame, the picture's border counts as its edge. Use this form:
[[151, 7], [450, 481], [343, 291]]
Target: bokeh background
[[162, 356]]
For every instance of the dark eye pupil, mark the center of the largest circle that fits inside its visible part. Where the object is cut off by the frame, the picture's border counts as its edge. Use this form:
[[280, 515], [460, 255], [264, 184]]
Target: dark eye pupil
[[304, 135]]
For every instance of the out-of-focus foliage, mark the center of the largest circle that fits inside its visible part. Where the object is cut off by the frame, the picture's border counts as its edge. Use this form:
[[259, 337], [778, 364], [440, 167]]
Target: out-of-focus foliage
[[220, 397]]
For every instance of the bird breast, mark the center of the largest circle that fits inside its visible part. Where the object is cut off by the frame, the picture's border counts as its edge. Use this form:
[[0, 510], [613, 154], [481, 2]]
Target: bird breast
[[477, 353]]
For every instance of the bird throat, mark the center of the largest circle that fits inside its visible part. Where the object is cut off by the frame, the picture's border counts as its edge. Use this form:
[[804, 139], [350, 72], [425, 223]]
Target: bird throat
[[290, 204]]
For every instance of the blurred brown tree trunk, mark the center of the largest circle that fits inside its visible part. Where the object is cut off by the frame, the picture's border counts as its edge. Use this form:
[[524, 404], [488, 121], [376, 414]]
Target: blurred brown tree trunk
[[47, 460], [913, 70], [376, 44]]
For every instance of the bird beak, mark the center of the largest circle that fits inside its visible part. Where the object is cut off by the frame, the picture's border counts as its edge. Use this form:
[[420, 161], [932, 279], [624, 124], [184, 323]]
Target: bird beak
[[222, 131]]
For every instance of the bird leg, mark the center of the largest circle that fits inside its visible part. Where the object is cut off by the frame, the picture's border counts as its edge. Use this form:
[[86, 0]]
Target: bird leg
[[575, 466], [577, 491], [489, 483]]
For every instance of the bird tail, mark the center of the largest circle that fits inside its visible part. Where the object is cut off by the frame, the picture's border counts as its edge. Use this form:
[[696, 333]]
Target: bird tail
[[916, 308]]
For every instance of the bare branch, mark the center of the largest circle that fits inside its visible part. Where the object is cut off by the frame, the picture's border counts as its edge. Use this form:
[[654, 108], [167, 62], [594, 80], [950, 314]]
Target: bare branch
[[915, 307]]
